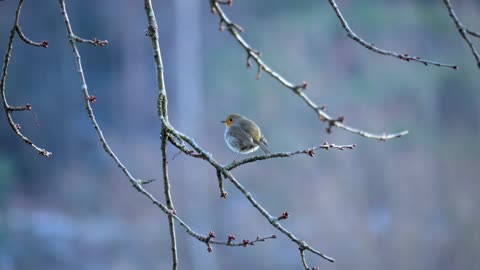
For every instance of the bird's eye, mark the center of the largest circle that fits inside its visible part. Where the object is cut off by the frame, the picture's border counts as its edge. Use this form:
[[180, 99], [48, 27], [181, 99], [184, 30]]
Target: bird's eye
[[230, 120]]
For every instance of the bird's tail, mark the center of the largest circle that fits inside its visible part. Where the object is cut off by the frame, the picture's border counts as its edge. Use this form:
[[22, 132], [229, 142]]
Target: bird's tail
[[264, 145]]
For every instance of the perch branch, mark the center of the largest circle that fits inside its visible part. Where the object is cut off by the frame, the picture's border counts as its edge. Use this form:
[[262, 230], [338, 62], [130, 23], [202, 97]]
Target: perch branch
[[235, 30], [9, 109], [309, 151]]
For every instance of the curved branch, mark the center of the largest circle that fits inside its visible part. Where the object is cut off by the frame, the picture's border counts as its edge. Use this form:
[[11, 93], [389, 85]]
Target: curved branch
[[371, 47], [9, 109], [462, 29], [235, 30], [18, 29], [88, 98], [25, 39]]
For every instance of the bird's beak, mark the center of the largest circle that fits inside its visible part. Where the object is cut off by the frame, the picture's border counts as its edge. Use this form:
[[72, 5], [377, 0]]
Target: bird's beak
[[223, 121]]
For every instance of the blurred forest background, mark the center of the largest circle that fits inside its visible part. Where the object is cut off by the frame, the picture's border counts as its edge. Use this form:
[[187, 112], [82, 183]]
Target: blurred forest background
[[409, 203]]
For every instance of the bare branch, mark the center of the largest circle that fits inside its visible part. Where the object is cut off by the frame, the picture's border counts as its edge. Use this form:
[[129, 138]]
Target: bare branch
[[234, 30], [473, 33], [230, 241], [25, 39], [246, 242], [225, 2], [463, 31], [18, 29], [183, 148], [9, 109], [372, 47], [146, 181], [94, 41], [309, 151], [223, 193], [27, 107], [168, 198], [304, 261], [152, 32], [88, 98]]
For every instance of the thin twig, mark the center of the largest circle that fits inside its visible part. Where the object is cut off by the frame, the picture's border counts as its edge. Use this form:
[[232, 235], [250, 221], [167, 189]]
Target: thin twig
[[223, 193], [152, 32], [235, 30], [473, 33], [463, 31], [304, 261], [372, 47], [168, 198], [225, 2], [27, 107], [94, 41], [9, 109], [309, 151], [183, 149], [246, 242], [87, 97], [25, 39]]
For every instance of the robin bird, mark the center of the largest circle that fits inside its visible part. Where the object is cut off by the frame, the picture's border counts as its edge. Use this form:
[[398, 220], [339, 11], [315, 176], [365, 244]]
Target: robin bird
[[243, 136]]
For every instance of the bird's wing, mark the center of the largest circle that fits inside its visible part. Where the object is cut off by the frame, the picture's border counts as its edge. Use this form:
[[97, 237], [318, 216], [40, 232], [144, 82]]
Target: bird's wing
[[241, 133], [257, 136], [251, 128]]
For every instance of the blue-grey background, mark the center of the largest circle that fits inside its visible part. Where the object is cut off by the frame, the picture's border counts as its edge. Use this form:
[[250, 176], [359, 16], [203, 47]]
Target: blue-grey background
[[410, 203]]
